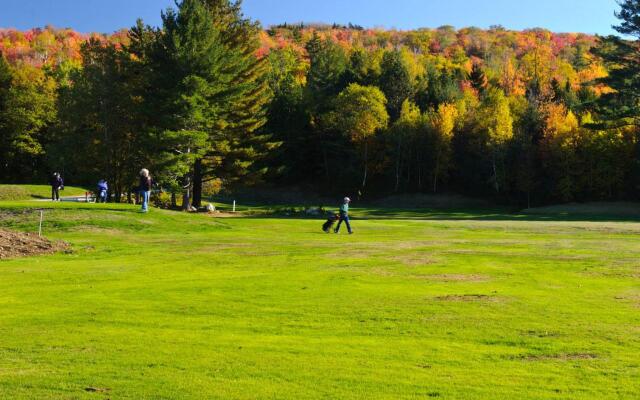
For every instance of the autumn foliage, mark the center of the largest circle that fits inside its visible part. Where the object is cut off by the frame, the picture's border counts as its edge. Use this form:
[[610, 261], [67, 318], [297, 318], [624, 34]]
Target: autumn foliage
[[496, 112]]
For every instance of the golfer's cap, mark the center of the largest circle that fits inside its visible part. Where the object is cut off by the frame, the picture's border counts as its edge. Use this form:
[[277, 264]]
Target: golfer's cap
[[346, 199]]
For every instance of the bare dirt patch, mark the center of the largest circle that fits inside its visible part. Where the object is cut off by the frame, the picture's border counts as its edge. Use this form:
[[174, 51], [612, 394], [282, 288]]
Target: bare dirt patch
[[18, 244]]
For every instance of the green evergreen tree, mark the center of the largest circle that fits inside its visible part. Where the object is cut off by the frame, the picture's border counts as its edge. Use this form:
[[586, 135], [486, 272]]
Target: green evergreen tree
[[478, 79], [208, 54], [5, 85], [621, 108], [438, 87], [248, 97], [101, 113], [395, 82], [325, 77], [328, 63], [288, 119]]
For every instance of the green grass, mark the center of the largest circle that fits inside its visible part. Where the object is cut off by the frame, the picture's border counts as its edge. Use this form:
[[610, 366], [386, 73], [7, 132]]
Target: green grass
[[26, 192], [456, 306]]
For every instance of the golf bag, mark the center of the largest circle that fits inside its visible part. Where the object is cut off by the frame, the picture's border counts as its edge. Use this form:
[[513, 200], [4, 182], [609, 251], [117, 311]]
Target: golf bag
[[330, 222]]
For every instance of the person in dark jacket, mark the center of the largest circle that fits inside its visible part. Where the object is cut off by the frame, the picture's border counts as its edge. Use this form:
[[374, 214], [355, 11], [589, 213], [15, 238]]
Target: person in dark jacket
[[103, 188], [145, 189], [57, 184]]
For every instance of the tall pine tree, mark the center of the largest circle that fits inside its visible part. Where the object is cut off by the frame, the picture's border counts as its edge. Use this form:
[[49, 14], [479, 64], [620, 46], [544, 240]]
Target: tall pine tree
[[621, 107], [214, 84], [622, 57], [238, 143]]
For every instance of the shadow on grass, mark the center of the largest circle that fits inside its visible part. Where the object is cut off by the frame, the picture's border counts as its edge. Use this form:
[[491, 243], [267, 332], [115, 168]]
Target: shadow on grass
[[483, 215], [458, 215], [364, 213]]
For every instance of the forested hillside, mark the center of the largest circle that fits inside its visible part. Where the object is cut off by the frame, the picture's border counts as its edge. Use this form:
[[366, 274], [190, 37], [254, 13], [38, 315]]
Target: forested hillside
[[212, 97]]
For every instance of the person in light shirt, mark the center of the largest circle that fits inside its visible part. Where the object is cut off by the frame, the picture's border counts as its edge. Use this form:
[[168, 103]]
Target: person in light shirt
[[344, 216]]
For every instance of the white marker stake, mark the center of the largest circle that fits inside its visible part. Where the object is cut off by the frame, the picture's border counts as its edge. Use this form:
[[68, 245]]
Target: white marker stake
[[40, 226], [234, 206]]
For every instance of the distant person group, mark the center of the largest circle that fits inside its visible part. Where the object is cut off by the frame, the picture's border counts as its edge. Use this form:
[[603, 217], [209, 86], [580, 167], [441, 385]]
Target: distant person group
[[102, 189], [144, 191]]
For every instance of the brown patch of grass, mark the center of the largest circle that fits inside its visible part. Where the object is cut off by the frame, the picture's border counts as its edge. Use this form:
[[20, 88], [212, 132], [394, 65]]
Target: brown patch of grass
[[453, 277], [558, 357], [221, 214], [358, 253], [571, 258], [414, 260], [97, 390], [540, 334], [96, 229], [381, 272], [468, 298], [614, 274], [633, 298]]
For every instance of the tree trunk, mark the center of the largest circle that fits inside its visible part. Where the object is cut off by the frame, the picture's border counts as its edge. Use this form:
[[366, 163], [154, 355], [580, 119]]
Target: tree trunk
[[186, 199], [366, 156], [174, 201], [397, 185], [197, 184], [436, 173], [419, 170], [398, 165], [326, 164], [495, 174]]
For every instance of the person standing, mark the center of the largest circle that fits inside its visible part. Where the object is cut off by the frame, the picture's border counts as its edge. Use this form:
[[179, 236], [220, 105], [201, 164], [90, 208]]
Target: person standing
[[145, 189], [103, 189], [57, 184], [344, 216]]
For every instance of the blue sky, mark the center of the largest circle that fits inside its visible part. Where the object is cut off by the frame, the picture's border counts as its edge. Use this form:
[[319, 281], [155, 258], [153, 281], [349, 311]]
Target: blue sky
[[590, 16]]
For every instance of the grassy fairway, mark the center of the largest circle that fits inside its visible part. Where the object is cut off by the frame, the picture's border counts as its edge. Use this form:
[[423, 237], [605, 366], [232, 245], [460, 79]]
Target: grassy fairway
[[172, 306]]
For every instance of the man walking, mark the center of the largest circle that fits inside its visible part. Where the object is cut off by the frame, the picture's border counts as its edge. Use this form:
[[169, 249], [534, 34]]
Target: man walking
[[344, 216]]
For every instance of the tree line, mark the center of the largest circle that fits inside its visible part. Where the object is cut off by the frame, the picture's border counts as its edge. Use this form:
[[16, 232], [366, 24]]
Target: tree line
[[526, 117]]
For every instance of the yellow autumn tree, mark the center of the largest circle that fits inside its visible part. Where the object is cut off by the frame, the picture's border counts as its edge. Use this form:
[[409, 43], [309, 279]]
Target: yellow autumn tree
[[496, 120], [404, 132], [561, 140], [442, 123], [360, 111]]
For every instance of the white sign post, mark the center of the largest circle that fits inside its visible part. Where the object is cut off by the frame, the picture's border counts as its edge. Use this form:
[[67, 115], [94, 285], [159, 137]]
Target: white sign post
[[40, 226]]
